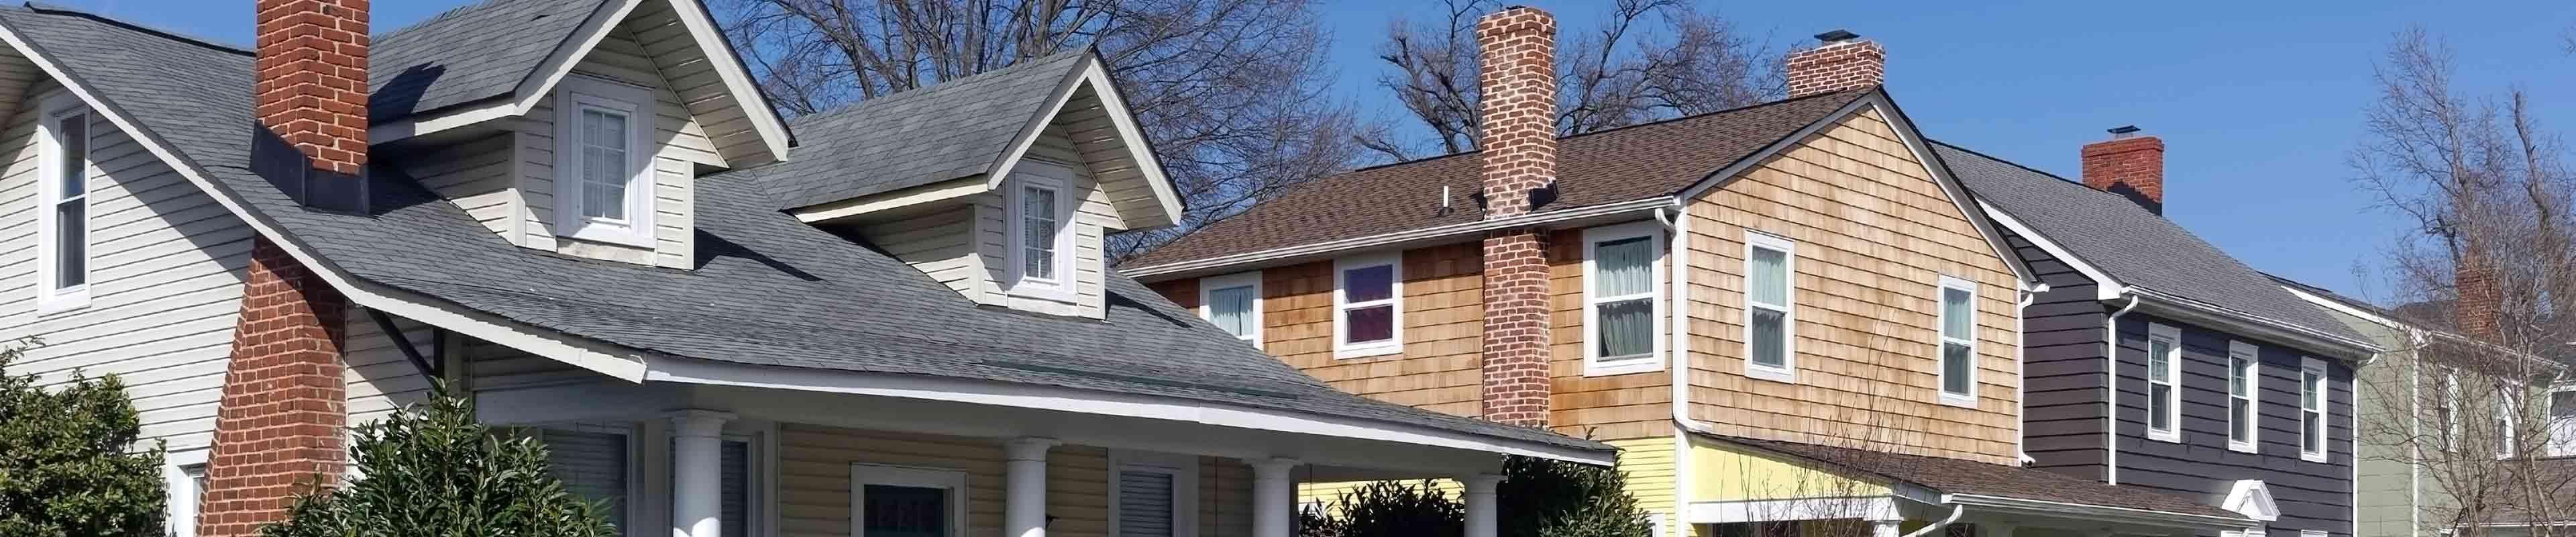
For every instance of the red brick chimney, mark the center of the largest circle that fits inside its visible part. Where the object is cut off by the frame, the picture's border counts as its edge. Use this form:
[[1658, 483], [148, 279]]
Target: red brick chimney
[[1844, 61], [1519, 152], [2478, 310], [283, 412], [2129, 164]]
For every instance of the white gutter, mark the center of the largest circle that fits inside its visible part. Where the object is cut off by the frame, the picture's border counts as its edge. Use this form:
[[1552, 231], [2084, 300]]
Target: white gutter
[[1955, 511], [1233, 262], [2111, 393], [2021, 376]]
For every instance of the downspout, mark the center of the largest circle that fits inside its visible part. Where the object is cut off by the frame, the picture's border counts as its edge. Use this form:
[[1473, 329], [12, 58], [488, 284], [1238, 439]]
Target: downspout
[[1955, 511], [2111, 391], [1677, 228], [2414, 429], [2021, 377]]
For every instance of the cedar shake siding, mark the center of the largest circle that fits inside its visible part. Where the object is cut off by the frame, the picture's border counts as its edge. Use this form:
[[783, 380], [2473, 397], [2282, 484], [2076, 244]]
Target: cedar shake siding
[[2062, 335], [1873, 234]]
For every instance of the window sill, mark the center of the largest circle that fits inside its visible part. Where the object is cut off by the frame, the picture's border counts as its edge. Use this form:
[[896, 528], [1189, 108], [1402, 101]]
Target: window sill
[[1373, 349], [2171, 437], [1960, 400], [2312, 457], [62, 301], [1622, 366], [606, 234], [2240, 447], [1774, 374]]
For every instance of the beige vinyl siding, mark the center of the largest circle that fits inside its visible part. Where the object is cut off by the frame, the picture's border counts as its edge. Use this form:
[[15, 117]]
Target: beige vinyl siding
[[1873, 233], [1083, 133], [1091, 215], [166, 269], [939, 243], [681, 146], [724, 127], [814, 481], [474, 174], [378, 377]]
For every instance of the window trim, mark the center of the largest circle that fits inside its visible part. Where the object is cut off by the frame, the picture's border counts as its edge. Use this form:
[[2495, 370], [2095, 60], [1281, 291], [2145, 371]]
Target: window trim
[[575, 94], [52, 297], [2172, 337], [2509, 399], [179, 474], [1788, 369], [1184, 470], [1342, 347], [1941, 341], [2253, 397], [864, 474], [2449, 415], [1059, 181], [1593, 363], [1208, 286], [2324, 409]]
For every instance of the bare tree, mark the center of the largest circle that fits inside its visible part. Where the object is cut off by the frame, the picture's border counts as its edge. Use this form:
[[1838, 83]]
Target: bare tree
[[1231, 92], [1648, 60], [2488, 272]]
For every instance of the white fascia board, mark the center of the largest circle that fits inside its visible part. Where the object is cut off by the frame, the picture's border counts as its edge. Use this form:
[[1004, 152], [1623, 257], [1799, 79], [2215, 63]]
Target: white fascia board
[[737, 79], [863, 205], [2100, 513], [1037, 124], [1064, 399], [541, 82], [602, 358], [418, 125], [1139, 147], [2104, 288], [2258, 326], [1259, 258]]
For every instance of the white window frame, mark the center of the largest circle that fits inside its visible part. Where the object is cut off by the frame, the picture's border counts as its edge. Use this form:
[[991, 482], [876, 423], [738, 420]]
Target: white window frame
[[2449, 419], [1788, 369], [2319, 399], [179, 476], [1941, 340], [638, 515], [2172, 404], [2253, 372], [1593, 363], [2509, 399], [1059, 181], [51, 294], [578, 93], [863, 474], [1184, 470], [1207, 308], [1342, 346]]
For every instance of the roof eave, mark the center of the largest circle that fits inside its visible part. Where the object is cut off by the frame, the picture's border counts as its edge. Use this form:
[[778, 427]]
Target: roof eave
[[1429, 235], [2120, 516], [2250, 324]]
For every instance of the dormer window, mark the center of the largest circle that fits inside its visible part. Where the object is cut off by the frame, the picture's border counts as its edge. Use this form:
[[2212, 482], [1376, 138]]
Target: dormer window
[[1041, 243], [603, 161]]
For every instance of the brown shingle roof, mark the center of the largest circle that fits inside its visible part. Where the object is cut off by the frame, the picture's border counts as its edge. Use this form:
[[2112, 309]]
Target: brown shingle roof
[[1960, 476], [1612, 166]]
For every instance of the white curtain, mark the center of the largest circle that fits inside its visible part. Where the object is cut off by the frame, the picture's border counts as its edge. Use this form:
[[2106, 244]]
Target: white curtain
[[1625, 267], [1231, 309], [1768, 283]]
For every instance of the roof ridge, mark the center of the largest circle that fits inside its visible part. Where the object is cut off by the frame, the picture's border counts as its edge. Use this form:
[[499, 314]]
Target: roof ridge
[[1702, 115], [2059, 178], [905, 95], [174, 35]]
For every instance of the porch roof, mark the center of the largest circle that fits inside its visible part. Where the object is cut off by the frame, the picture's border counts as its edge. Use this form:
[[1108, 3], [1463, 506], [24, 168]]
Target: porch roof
[[1960, 477]]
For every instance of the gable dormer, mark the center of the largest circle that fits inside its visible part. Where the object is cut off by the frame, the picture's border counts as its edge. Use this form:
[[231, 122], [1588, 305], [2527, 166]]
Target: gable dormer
[[590, 148], [1010, 208]]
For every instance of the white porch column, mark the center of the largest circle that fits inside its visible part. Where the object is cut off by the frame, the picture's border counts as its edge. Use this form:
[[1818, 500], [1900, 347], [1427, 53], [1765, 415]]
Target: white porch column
[[1482, 519], [697, 473], [1274, 497], [1024, 500], [1886, 528]]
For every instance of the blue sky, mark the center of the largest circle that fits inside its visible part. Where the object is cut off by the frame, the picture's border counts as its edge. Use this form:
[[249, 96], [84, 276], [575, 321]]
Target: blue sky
[[2258, 102]]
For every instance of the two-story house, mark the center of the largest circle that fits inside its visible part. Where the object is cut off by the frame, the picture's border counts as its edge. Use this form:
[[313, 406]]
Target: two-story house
[[2155, 361], [1788, 315], [582, 213]]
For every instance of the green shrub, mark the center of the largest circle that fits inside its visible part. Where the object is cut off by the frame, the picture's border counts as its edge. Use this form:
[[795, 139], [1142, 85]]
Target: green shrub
[[67, 464], [1537, 498], [1397, 509], [432, 471]]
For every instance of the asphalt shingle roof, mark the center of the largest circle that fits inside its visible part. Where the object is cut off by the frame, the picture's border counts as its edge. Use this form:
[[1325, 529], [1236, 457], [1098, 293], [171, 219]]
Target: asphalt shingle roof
[[1961, 476], [956, 129], [2129, 243], [1619, 165], [768, 290], [467, 54]]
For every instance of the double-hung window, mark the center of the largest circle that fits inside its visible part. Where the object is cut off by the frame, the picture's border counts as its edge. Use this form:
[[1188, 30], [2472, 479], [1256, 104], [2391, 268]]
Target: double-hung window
[[63, 185], [1154, 495], [2244, 377], [1621, 270], [1040, 209], [2164, 378], [2446, 414], [603, 184], [1770, 316], [1958, 318], [1233, 303], [2312, 409], [1368, 306], [895, 501], [2508, 420], [594, 463]]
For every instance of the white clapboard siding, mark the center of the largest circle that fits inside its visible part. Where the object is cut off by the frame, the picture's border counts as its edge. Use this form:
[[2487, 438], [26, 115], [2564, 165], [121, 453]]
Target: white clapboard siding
[[682, 147], [937, 243], [724, 120], [380, 379], [165, 279], [1091, 216], [475, 174]]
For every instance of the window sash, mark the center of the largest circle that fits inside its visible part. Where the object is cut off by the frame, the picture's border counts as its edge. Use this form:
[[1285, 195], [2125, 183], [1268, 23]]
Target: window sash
[[2163, 397], [603, 161], [950, 485], [67, 182], [1770, 288], [2241, 410], [1379, 309], [2312, 403], [606, 161], [1956, 314], [1621, 279], [1038, 221]]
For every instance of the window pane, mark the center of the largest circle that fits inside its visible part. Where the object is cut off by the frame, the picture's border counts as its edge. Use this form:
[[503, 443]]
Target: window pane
[[1955, 366], [2311, 390], [1770, 338], [2159, 360], [1768, 282], [1037, 232], [2312, 431], [1625, 267], [1144, 504], [893, 511], [1627, 327], [1231, 309], [71, 232], [2240, 419], [2237, 369], [1373, 323], [1368, 283], [74, 137], [592, 466], [2158, 410], [1958, 320], [2562, 404]]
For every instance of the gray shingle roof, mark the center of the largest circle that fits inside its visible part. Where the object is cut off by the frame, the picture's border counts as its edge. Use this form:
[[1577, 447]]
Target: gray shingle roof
[[467, 54], [2132, 245], [953, 130], [1960, 476], [768, 290]]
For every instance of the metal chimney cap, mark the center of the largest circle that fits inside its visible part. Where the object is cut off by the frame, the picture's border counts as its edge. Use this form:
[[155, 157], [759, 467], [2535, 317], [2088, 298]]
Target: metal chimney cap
[[1837, 35], [2124, 130]]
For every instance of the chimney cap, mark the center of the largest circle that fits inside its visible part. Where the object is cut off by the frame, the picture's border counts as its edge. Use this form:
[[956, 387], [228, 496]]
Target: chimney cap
[[1837, 35], [2124, 131]]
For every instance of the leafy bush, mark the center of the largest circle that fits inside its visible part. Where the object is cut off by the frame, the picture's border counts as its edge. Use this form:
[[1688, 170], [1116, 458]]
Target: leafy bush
[[67, 465], [433, 472], [1537, 498], [1397, 509]]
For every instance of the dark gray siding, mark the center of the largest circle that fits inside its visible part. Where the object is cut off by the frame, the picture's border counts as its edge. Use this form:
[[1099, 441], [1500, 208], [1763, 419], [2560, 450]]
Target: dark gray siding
[[2311, 495], [2062, 336]]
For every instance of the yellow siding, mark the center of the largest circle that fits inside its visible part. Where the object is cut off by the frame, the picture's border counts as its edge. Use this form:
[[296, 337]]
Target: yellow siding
[[814, 481], [1721, 473], [1648, 462], [1873, 234]]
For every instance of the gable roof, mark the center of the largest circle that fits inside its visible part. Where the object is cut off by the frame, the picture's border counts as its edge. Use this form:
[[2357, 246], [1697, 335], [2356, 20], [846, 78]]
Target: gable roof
[[957, 129], [1966, 477], [468, 54], [1593, 169], [2132, 246], [768, 290]]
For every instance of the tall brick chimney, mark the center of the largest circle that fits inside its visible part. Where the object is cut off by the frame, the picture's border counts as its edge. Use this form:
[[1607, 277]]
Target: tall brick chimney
[[283, 412], [2128, 164], [1519, 153], [2478, 309], [1844, 61]]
